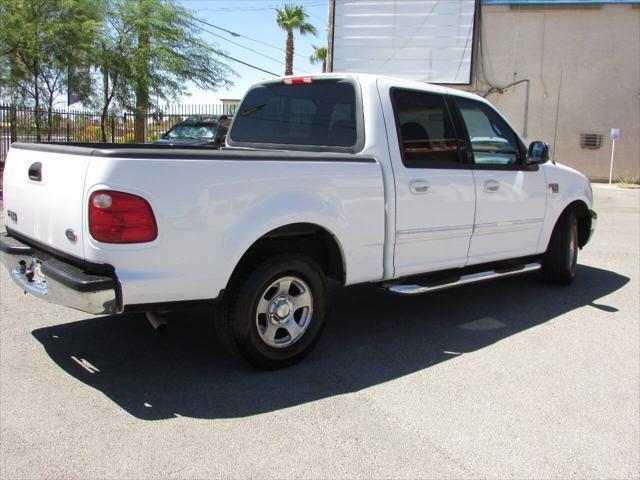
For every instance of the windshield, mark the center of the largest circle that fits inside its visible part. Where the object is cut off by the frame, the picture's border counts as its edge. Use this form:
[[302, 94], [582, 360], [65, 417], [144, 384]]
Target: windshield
[[322, 113], [207, 131]]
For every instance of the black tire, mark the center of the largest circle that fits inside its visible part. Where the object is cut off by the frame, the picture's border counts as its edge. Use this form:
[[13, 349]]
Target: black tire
[[241, 330], [560, 261]]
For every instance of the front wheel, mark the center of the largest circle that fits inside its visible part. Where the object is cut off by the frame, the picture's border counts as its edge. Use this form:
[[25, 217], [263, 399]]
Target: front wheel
[[273, 316], [560, 261]]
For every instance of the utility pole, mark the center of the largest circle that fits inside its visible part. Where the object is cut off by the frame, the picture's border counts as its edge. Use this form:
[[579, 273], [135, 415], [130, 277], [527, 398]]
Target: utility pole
[[330, 26]]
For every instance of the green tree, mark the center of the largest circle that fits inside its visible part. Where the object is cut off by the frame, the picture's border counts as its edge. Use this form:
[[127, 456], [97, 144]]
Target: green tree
[[112, 53], [319, 55], [293, 18], [42, 40], [150, 49]]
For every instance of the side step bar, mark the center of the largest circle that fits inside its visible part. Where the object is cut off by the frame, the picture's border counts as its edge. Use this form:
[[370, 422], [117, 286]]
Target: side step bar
[[463, 280]]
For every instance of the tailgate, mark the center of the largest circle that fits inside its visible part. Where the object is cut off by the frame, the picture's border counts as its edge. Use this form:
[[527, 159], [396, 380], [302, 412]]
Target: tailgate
[[44, 197]]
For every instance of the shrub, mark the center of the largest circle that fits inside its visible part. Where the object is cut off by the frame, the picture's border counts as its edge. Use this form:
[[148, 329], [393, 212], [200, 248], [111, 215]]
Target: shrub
[[628, 179]]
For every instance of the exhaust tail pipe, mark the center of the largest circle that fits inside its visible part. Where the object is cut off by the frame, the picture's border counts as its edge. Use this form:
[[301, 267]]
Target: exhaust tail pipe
[[158, 323]]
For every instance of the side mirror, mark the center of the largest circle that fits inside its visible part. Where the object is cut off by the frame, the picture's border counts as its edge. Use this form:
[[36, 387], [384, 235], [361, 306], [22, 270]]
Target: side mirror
[[538, 153]]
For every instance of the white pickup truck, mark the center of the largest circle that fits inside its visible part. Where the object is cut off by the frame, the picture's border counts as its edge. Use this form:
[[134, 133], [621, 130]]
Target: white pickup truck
[[354, 178]]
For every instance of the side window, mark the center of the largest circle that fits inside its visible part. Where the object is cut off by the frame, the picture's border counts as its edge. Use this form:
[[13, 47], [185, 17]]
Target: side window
[[492, 140], [425, 130]]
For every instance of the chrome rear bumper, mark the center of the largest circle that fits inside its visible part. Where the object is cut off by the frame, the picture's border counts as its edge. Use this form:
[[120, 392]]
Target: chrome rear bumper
[[38, 273]]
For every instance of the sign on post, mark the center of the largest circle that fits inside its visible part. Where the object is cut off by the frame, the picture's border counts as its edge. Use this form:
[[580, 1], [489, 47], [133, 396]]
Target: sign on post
[[615, 135]]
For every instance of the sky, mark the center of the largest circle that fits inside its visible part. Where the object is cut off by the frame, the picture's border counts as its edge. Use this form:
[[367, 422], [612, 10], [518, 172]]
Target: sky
[[255, 22]]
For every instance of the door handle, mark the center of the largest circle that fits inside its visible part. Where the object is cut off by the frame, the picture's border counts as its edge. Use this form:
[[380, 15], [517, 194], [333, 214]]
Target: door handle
[[419, 186], [491, 186]]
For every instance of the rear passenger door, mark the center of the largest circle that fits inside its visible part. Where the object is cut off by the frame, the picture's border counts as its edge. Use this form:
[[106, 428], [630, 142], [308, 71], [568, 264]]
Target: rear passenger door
[[435, 195], [510, 195]]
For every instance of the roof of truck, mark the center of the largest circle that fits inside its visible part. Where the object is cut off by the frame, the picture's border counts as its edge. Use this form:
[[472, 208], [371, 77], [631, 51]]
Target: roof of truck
[[373, 78]]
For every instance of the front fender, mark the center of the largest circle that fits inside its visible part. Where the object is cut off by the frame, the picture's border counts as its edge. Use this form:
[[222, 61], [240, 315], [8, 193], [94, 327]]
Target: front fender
[[572, 187]]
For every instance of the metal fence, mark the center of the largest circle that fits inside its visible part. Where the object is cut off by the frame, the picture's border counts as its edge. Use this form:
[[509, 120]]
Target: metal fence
[[19, 124]]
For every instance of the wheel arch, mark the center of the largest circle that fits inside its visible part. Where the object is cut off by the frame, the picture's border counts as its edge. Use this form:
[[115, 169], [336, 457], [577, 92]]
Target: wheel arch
[[311, 239], [580, 209]]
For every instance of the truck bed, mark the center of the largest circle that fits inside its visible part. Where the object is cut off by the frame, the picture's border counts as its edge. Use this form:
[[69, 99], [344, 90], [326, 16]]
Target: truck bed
[[210, 207], [181, 152]]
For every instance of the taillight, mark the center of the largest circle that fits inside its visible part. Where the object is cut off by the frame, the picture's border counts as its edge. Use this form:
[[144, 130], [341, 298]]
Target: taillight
[[117, 217], [297, 80]]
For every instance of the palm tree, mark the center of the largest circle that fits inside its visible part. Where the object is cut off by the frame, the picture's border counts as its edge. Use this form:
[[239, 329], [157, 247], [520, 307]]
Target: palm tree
[[319, 55], [290, 18]]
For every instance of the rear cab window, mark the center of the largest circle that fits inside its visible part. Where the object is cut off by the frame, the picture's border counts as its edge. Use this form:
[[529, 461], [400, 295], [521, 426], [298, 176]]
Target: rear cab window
[[310, 114], [426, 133]]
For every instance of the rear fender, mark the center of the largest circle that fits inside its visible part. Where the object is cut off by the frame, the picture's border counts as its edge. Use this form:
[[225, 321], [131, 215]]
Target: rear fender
[[281, 210]]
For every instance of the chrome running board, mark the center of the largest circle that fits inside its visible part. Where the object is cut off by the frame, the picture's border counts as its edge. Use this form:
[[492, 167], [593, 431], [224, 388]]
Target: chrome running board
[[463, 280]]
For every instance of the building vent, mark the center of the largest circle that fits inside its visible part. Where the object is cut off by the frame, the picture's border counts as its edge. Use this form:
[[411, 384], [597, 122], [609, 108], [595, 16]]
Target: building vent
[[592, 141]]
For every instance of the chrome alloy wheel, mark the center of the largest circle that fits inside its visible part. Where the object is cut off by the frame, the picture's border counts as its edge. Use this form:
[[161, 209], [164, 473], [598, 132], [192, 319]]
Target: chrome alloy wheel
[[284, 312]]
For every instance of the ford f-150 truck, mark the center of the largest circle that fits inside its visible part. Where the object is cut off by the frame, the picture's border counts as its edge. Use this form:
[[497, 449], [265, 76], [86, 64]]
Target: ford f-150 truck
[[354, 178]]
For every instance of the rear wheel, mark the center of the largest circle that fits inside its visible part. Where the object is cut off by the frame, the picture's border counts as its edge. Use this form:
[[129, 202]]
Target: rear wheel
[[273, 316], [560, 262]]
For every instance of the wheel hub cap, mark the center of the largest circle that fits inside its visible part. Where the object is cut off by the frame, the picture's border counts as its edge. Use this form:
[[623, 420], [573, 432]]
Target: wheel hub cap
[[284, 311], [280, 309]]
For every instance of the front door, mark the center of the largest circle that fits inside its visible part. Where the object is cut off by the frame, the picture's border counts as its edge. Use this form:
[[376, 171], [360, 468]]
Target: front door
[[435, 194], [510, 195]]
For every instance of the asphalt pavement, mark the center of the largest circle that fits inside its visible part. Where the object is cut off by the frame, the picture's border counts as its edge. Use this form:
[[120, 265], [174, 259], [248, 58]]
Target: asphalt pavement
[[507, 379]]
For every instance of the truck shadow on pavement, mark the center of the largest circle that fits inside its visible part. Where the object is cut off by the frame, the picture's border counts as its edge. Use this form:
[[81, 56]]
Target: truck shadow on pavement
[[372, 337]]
